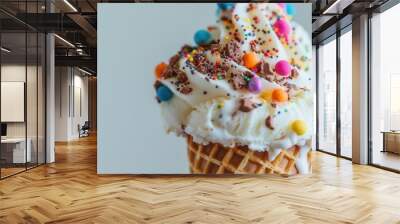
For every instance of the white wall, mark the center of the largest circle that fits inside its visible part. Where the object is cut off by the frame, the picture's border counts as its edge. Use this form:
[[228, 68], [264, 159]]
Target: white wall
[[61, 103], [9, 73], [79, 115], [33, 127], [16, 72], [69, 84]]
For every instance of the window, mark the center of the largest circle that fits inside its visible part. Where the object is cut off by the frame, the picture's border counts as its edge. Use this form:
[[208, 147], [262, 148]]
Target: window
[[346, 93], [22, 101], [385, 89], [327, 97]]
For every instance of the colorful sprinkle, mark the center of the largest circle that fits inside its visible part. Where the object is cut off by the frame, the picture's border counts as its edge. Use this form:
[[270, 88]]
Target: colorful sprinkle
[[283, 68], [279, 95], [266, 95], [160, 69], [255, 85], [202, 37], [164, 93], [299, 127], [282, 29], [225, 6], [290, 9], [250, 60]]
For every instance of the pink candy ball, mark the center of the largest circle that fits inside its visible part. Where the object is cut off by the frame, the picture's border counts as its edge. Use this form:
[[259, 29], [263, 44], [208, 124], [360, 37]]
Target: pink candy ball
[[282, 5], [283, 68], [255, 84], [282, 28]]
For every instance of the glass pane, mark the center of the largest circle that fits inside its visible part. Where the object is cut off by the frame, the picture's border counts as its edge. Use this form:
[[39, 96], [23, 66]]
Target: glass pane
[[327, 97], [13, 88], [41, 99], [385, 89], [31, 100], [346, 93], [22, 90], [314, 89]]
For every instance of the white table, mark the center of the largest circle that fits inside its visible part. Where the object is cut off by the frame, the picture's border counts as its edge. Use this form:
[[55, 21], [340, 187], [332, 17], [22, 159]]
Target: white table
[[19, 154]]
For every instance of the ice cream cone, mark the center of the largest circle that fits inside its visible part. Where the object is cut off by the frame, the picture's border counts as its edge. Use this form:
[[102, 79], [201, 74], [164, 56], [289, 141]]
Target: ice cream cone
[[217, 159]]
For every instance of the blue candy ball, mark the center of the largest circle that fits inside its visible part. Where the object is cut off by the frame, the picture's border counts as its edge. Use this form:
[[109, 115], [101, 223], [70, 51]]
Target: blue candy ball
[[225, 6], [218, 12], [290, 9], [202, 37], [164, 93]]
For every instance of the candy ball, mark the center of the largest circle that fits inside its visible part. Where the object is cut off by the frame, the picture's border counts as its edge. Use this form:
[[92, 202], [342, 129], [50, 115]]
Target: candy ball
[[225, 6], [202, 37], [283, 68], [299, 127], [279, 95], [290, 9], [164, 93], [282, 28], [266, 95], [250, 60], [160, 69], [218, 12], [215, 32], [255, 84]]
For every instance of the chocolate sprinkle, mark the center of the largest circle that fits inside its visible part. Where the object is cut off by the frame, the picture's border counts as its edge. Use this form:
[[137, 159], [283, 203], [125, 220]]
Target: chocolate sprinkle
[[181, 76], [238, 82], [157, 84], [246, 105], [173, 61], [268, 123], [186, 90], [186, 48], [266, 69], [294, 73]]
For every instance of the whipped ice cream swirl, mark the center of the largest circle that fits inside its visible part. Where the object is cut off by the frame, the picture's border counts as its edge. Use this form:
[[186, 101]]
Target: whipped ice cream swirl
[[219, 98]]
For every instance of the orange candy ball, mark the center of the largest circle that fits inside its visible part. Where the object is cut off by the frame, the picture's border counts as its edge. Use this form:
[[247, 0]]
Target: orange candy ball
[[279, 95], [250, 60], [160, 69]]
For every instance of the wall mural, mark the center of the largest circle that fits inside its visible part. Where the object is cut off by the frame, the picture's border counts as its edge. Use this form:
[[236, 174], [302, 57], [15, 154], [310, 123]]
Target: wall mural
[[232, 89]]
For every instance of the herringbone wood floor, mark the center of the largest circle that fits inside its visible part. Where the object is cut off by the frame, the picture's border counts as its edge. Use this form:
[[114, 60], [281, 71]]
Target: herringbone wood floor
[[70, 191]]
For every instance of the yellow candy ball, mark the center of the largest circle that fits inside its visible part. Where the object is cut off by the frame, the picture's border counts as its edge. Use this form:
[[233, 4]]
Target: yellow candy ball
[[299, 127], [266, 95]]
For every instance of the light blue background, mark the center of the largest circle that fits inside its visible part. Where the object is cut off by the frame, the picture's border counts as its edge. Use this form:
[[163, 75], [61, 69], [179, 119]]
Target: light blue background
[[132, 39]]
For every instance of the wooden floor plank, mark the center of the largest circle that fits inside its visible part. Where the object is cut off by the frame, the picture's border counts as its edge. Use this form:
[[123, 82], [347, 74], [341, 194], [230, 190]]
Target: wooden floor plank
[[70, 191]]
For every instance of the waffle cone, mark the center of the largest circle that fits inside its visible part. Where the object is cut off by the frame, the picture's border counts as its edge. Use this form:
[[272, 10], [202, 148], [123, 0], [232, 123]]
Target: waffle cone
[[217, 159]]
